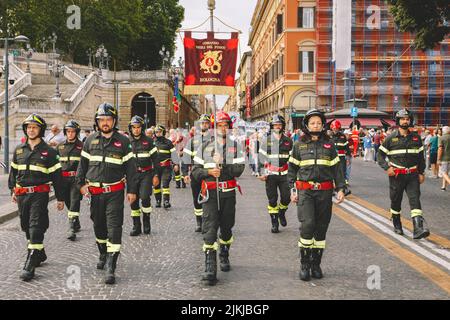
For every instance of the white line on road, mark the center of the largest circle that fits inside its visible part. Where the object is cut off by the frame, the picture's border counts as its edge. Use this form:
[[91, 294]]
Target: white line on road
[[445, 253], [402, 239]]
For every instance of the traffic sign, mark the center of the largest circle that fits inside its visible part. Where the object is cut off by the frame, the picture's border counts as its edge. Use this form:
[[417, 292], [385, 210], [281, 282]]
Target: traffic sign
[[354, 112]]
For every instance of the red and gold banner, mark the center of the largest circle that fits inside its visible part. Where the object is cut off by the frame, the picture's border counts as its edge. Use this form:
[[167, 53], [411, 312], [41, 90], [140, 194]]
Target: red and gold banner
[[210, 64], [248, 102]]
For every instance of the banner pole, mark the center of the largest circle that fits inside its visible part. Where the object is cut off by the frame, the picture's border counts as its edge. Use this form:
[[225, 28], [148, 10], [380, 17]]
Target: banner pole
[[211, 7]]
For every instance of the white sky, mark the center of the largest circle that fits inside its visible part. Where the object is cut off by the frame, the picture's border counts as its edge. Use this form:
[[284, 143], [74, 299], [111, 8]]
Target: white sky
[[236, 13]]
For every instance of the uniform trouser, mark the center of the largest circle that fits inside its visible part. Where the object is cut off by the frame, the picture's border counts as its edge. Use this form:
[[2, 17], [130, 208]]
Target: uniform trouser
[[343, 164], [143, 194], [177, 173], [33, 213], [214, 219], [164, 175], [107, 215], [273, 184], [314, 214], [72, 197], [410, 184], [196, 188]]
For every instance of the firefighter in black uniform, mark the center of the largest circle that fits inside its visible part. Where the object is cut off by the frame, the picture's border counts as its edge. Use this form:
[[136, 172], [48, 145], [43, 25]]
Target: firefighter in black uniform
[[106, 160], [163, 166], [217, 164], [343, 149], [34, 167], [144, 152], [273, 157], [314, 171], [189, 152], [69, 156], [401, 155]]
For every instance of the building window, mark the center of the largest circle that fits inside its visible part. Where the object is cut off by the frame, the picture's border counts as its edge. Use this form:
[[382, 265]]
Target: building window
[[305, 18], [279, 24], [306, 61]]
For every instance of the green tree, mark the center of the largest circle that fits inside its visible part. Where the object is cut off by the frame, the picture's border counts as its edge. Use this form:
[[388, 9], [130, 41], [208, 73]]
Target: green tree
[[428, 20], [130, 30]]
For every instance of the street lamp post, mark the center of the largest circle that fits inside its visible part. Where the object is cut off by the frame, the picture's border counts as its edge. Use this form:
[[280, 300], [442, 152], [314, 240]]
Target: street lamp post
[[101, 54], [146, 99], [6, 103], [29, 54], [57, 70], [354, 78]]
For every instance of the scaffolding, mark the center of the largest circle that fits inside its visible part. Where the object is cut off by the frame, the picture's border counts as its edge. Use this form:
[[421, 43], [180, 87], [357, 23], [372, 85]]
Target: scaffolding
[[397, 75]]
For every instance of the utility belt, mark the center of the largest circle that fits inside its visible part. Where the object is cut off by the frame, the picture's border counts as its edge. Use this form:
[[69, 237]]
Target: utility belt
[[276, 170], [166, 163], [144, 169], [18, 191], [107, 189], [229, 185], [310, 185], [67, 174], [404, 170]]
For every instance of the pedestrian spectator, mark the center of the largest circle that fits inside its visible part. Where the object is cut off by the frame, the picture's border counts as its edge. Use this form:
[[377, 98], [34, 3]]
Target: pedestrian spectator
[[355, 137], [426, 144], [149, 133], [433, 148], [444, 156], [376, 143], [368, 147], [55, 136], [87, 133]]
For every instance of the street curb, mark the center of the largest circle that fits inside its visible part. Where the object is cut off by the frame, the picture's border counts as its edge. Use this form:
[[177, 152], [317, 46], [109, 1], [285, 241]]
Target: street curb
[[12, 210]]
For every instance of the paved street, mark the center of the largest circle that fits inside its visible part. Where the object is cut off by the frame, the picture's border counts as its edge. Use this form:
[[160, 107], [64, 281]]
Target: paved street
[[168, 264]]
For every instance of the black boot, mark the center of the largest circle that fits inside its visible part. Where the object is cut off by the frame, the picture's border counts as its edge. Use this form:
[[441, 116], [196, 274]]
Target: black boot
[[111, 263], [282, 217], [42, 257], [166, 204], [347, 191], [183, 184], [137, 228], [158, 202], [210, 275], [396, 220], [147, 226], [178, 184], [305, 264], [32, 261], [223, 257], [71, 232], [275, 223], [199, 223], [76, 225], [102, 258], [420, 229], [316, 259]]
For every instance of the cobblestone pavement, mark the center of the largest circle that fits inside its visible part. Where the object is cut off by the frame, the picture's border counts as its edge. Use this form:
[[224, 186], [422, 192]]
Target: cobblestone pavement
[[168, 263]]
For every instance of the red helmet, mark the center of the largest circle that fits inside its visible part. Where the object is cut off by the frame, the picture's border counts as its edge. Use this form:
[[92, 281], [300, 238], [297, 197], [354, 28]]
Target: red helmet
[[336, 124], [222, 117]]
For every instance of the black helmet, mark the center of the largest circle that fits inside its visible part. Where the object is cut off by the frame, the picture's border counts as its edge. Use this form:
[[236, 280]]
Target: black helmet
[[160, 128], [404, 113], [72, 124], [311, 113], [277, 119], [136, 120], [105, 109], [37, 119], [204, 118]]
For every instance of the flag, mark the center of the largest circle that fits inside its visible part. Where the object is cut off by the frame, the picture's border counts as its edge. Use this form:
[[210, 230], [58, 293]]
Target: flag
[[210, 64], [176, 96]]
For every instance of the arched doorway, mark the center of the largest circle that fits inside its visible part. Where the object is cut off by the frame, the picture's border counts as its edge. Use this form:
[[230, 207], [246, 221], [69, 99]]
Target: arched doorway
[[144, 105]]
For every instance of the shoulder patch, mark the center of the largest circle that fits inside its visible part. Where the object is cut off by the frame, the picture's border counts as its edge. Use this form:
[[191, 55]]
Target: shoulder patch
[[415, 139], [95, 141], [327, 146], [303, 146], [61, 147], [118, 144], [394, 140], [19, 151]]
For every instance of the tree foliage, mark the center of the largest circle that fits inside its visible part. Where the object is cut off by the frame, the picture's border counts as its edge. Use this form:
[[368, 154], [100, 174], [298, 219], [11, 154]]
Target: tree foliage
[[131, 30], [429, 20]]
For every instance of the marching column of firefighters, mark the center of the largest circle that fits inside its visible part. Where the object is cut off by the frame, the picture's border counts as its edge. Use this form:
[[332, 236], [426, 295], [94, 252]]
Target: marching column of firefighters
[[109, 165]]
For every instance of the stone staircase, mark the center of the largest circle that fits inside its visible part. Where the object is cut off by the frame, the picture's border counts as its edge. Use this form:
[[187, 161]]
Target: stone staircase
[[43, 87]]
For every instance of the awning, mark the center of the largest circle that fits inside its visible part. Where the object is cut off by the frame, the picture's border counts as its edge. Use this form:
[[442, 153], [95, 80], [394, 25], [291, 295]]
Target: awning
[[365, 122]]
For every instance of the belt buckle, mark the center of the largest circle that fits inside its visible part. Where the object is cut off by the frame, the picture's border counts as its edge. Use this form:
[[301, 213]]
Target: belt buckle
[[407, 170], [316, 186], [29, 189], [222, 185], [107, 189]]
